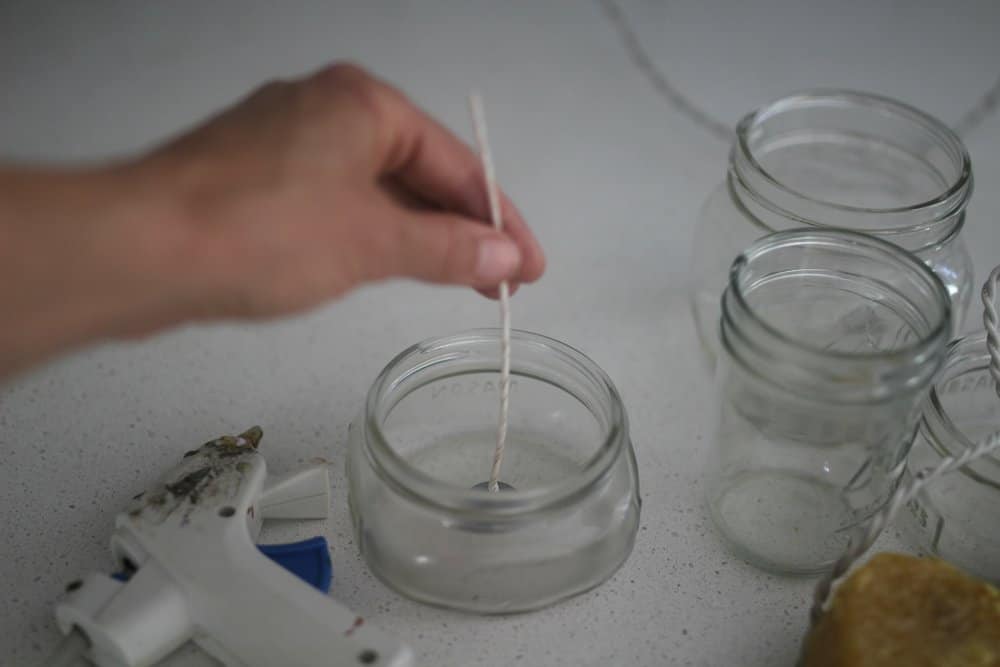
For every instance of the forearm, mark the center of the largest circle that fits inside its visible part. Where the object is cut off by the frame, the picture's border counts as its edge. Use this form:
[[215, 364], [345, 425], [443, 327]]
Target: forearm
[[85, 255]]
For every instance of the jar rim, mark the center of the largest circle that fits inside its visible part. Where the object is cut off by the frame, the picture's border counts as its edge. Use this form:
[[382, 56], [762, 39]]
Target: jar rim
[[939, 425], [417, 484], [951, 200], [777, 240]]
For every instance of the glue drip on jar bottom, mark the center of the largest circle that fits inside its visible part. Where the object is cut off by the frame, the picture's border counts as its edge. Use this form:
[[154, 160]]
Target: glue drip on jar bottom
[[501, 485]]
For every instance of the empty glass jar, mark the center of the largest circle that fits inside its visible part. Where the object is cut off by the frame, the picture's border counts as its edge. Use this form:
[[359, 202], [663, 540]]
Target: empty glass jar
[[841, 160], [829, 342], [569, 509], [956, 516]]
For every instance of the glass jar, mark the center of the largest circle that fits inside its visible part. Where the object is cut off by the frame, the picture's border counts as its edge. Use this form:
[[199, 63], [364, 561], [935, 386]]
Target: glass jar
[[955, 517], [841, 160], [567, 515], [829, 342]]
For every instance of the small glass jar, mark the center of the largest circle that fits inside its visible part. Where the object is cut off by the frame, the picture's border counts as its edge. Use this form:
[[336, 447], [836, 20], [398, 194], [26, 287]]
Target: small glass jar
[[836, 160], [956, 516], [566, 517], [829, 343]]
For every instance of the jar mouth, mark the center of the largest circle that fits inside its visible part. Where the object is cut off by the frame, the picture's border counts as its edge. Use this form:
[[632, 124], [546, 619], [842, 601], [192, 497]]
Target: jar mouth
[[844, 119], [403, 375], [965, 355], [752, 338]]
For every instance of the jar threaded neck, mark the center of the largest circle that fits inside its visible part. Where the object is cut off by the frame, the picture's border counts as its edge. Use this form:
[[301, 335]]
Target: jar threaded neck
[[835, 314], [849, 160]]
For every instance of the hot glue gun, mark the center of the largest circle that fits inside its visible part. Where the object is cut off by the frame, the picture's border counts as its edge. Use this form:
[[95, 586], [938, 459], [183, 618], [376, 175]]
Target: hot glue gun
[[189, 570]]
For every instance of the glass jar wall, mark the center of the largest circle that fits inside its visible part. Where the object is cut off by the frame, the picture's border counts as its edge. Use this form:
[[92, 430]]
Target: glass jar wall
[[829, 342], [955, 517], [568, 511]]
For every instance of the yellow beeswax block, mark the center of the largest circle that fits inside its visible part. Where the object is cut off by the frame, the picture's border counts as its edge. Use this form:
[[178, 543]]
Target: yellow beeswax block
[[904, 611]]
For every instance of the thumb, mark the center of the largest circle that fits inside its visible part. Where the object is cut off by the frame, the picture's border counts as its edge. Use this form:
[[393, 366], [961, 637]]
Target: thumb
[[452, 249]]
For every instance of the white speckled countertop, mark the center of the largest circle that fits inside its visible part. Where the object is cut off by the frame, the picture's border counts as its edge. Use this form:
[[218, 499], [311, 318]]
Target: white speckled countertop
[[610, 173]]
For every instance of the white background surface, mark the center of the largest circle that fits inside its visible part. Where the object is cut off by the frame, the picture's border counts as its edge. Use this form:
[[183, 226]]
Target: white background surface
[[609, 174]]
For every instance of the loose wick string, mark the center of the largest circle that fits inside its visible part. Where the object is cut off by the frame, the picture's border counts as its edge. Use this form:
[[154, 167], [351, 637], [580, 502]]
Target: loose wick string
[[982, 109], [479, 122], [991, 322], [905, 492]]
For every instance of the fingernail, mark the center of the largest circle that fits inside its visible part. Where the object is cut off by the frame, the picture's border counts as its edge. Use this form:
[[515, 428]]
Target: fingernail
[[498, 260]]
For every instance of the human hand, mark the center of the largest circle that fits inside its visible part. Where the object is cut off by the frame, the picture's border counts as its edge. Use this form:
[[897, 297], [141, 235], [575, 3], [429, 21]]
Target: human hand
[[309, 188]]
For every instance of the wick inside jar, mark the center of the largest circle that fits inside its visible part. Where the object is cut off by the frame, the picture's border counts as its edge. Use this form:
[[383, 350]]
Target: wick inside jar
[[493, 197]]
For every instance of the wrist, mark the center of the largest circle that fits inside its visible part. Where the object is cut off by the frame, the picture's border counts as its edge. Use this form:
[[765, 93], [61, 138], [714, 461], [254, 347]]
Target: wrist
[[151, 248]]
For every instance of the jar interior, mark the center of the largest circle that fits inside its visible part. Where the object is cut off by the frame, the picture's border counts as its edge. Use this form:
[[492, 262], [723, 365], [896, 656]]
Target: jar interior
[[839, 296], [446, 428], [854, 152]]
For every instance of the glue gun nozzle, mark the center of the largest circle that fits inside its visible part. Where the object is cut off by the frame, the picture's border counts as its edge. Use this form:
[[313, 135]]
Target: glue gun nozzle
[[252, 435]]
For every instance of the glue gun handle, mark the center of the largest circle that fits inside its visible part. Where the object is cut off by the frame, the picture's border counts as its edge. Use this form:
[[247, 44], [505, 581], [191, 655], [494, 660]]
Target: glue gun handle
[[257, 614]]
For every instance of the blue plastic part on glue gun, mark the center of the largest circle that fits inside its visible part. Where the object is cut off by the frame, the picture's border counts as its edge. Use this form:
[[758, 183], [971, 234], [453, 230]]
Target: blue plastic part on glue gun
[[309, 560]]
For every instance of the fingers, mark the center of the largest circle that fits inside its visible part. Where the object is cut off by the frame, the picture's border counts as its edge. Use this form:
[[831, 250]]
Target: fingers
[[514, 225], [431, 162], [494, 292], [449, 249], [442, 169]]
